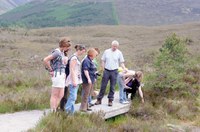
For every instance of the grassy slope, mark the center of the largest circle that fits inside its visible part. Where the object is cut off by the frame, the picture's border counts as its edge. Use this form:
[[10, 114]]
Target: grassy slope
[[51, 14], [6, 5]]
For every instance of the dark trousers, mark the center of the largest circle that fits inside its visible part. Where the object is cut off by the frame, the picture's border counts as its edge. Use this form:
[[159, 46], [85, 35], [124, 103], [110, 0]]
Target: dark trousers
[[63, 101], [112, 76]]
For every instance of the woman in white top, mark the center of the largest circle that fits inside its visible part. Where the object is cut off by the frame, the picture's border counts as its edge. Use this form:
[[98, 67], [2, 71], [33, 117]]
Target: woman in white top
[[74, 78]]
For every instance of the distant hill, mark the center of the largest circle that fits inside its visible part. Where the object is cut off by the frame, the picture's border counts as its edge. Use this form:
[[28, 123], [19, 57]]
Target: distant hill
[[157, 12], [6, 5], [60, 13], [53, 13]]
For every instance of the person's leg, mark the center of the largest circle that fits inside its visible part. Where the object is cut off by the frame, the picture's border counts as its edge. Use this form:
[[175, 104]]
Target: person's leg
[[121, 89], [64, 99], [84, 99], [113, 80], [90, 95], [104, 83], [53, 99], [60, 95], [58, 83], [90, 100], [74, 98], [71, 99]]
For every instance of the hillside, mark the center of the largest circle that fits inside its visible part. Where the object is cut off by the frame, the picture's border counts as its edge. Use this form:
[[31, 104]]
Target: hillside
[[6, 5], [157, 12], [60, 13], [45, 13]]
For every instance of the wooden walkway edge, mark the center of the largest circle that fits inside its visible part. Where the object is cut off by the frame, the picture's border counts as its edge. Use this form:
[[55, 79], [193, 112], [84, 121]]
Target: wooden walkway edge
[[108, 111]]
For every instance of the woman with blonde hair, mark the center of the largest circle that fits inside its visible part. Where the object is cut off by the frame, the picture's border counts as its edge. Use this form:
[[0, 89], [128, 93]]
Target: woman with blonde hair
[[88, 70], [55, 63], [133, 83]]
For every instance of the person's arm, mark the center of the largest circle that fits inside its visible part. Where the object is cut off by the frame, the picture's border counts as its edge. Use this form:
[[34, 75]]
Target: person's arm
[[73, 73], [129, 73], [103, 60], [121, 59], [102, 65], [141, 94], [123, 66], [87, 76], [46, 62]]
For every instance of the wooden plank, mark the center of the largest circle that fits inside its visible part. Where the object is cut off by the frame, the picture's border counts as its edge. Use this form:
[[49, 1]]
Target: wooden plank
[[108, 111]]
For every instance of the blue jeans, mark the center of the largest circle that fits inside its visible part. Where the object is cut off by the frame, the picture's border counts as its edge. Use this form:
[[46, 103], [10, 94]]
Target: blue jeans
[[122, 94], [71, 99]]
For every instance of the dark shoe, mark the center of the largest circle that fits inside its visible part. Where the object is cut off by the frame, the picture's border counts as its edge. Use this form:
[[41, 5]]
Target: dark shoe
[[90, 105], [98, 102], [88, 109], [110, 103]]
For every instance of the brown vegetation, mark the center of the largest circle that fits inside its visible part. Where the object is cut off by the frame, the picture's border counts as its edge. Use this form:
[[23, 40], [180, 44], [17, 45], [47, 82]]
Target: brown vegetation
[[25, 82]]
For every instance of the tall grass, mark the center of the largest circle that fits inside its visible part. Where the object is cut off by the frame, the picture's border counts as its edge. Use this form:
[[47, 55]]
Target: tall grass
[[24, 90], [58, 122]]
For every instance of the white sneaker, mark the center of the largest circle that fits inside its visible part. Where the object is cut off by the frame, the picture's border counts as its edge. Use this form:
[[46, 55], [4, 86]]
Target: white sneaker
[[125, 102]]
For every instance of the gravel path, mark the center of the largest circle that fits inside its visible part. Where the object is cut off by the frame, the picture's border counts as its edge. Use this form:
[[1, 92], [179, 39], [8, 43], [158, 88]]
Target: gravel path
[[19, 121]]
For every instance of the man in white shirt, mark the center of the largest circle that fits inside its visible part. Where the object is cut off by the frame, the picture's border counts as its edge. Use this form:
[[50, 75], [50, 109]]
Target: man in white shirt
[[111, 59]]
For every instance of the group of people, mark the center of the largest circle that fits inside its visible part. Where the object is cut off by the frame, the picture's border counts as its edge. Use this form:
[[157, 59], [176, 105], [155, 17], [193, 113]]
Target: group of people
[[85, 72]]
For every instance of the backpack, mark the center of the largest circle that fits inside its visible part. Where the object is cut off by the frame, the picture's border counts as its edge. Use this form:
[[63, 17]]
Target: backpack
[[67, 66]]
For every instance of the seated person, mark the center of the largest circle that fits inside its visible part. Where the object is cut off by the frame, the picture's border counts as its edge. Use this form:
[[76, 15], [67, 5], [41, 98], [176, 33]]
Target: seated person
[[133, 83]]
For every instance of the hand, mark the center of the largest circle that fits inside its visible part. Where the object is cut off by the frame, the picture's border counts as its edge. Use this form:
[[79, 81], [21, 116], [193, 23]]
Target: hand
[[51, 73], [74, 84], [127, 87], [97, 73], [125, 69], [89, 81], [143, 100]]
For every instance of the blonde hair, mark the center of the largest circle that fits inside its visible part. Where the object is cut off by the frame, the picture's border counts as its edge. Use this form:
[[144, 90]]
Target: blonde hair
[[92, 52], [139, 76], [64, 42]]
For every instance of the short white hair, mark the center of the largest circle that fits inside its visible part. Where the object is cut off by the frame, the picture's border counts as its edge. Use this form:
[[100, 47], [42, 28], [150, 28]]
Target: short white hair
[[115, 42]]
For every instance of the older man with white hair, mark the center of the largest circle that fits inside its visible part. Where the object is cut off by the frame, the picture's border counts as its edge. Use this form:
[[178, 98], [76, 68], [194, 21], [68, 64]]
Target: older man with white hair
[[111, 59]]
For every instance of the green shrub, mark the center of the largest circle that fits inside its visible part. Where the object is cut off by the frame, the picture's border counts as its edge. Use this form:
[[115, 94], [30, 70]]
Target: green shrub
[[170, 65]]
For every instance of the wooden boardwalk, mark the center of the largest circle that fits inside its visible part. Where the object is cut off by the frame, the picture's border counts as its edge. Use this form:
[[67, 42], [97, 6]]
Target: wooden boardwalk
[[107, 111], [24, 120]]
